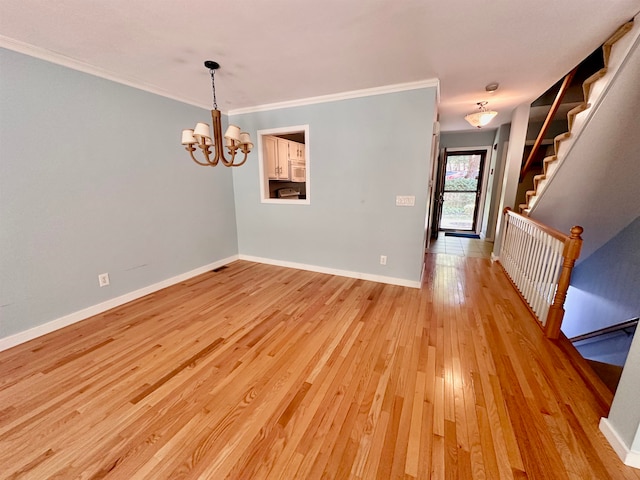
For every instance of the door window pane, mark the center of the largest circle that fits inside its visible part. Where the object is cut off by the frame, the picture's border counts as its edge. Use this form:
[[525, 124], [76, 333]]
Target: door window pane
[[463, 172], [457, 210]]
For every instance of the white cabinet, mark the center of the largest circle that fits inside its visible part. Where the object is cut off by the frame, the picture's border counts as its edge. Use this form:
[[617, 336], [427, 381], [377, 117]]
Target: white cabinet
[[296, 151], [271, 155], [276, 151], [283, 159]]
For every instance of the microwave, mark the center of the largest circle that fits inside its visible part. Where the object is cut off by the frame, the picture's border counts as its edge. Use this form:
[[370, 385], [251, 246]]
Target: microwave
[[298, 172]]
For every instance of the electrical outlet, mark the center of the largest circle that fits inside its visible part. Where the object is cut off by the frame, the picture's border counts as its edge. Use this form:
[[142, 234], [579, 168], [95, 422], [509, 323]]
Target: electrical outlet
[[103, 279], [405, 200], [383, 259]]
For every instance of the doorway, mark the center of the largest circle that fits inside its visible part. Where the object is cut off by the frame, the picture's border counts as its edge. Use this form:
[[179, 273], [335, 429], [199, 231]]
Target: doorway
[[460, 190]]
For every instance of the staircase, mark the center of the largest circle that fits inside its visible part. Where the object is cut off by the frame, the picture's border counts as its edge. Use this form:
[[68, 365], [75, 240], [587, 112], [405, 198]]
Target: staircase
[[609, 374], [614, 52], [606, 349]]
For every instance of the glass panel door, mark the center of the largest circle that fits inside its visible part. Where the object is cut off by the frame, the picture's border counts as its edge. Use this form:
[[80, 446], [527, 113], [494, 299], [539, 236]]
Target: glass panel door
[[461, 190]]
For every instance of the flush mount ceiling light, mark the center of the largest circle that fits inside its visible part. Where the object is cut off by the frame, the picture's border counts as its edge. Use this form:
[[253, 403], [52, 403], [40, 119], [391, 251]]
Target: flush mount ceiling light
[[492, 87], [481, 118], [236, 141]]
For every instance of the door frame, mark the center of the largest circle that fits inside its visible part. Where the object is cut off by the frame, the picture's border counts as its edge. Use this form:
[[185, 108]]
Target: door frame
[[482, 183]]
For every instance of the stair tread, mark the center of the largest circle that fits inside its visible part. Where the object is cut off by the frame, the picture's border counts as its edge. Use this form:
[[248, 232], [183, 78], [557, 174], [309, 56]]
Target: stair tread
[[618, 34]]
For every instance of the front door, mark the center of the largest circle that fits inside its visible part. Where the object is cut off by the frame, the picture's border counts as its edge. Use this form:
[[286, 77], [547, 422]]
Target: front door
[[460, 190]]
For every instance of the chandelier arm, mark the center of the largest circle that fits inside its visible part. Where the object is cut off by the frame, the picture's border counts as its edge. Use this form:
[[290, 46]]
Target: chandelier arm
[[207, 153], [232, 152], [190, 149], [246, 155]]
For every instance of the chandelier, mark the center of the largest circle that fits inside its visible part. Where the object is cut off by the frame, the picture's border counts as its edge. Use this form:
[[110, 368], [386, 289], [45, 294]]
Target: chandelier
[[235, 140], [481, 118]]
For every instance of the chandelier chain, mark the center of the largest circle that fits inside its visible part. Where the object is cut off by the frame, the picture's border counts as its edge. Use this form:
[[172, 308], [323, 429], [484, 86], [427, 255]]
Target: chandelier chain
[[213, 85]]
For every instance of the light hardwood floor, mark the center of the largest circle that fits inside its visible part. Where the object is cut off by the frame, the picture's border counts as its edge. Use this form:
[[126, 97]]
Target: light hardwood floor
[[463, 247], [257, 372]]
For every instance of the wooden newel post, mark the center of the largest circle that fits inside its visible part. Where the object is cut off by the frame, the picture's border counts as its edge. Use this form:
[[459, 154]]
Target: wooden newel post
[[570, 254]]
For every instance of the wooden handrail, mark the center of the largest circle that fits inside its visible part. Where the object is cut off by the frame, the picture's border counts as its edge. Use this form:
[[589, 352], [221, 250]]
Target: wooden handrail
[[547, 122], [604, 331], [522, 268], [545, 228]]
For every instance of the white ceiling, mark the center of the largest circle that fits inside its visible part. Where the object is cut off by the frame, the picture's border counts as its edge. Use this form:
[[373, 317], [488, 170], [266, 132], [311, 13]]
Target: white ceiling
[[282, 50]]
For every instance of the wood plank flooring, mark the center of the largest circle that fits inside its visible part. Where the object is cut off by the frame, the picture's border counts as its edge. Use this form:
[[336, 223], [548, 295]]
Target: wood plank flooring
[[262, 372]]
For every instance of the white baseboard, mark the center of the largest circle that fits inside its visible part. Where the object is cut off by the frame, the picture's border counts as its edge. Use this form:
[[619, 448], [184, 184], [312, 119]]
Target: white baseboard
[[332, 271], [629, 457], [38, 331], [633, 459], [25, 336]]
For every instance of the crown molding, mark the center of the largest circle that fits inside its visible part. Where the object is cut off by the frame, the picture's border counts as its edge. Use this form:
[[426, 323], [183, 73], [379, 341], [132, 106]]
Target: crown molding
[[335, 97], [59, 59]]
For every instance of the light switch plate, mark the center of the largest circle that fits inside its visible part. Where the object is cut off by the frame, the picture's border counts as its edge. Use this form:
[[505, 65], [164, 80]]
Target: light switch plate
[[405, 200]]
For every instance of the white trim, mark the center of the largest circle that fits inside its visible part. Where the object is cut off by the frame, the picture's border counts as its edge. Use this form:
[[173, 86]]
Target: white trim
[[633, 459], [335, 97], [59, 59], [629, 457], [38, 331], [485, 177], [26, 335], [282, 201], [333, 271], [264, 181], [613, 438], [285, 130]]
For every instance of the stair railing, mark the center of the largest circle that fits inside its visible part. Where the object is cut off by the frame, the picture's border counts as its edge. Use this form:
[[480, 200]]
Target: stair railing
[[622, 326], [547, 122], [539, 260]]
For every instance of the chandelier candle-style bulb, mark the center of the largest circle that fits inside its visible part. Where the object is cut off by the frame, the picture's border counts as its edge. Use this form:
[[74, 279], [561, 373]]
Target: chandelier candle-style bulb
[[201, 137]]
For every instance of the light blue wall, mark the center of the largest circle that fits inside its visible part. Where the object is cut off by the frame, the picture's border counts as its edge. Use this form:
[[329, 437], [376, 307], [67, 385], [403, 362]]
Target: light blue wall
[[604, 286], [363, 152], [496, 173], [93, 180]]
